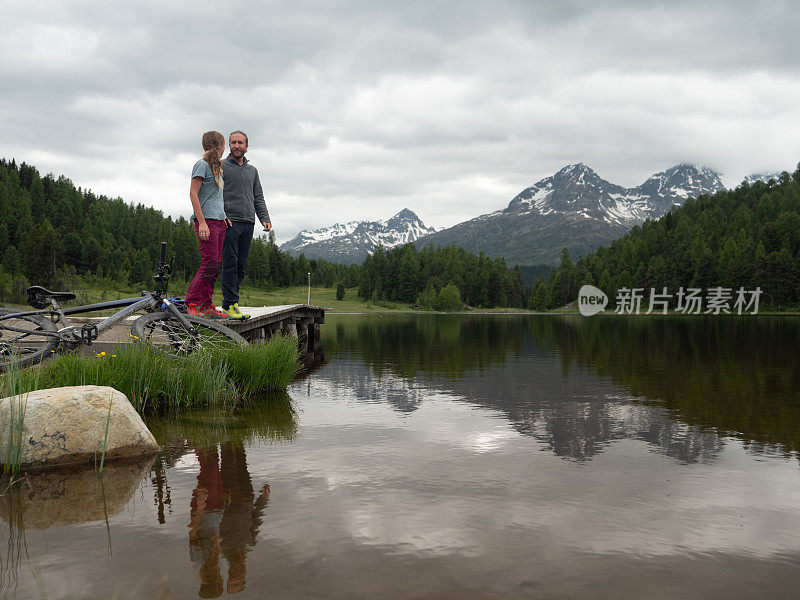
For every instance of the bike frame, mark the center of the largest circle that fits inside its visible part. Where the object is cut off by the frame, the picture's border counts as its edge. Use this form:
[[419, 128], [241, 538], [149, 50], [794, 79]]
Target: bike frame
[[68, 333], [109, 322]]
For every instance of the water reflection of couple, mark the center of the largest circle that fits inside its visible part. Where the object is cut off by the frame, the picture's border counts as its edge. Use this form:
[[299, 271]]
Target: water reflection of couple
[[225, 517]]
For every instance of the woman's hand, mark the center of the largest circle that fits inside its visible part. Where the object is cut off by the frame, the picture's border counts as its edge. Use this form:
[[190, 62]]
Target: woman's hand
[[203, 231]]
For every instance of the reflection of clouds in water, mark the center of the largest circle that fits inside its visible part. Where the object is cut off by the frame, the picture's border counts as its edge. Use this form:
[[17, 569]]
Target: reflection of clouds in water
[[421, 488], [487, 441], [434, 530], [576, 420], [463, 472], [187, 463], [352, 380], [642, 506]]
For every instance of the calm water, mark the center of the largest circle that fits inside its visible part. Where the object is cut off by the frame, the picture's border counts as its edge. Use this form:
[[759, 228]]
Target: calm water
[[455, 457]]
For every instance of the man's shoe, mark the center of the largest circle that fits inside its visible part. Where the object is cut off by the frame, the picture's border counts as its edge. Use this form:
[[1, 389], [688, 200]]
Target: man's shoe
[[195, 311], [217, 315], [244, 316], [234, 313]]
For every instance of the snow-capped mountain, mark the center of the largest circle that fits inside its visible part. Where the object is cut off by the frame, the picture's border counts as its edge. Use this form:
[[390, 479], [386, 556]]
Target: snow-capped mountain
[[576, 209], [353, 241], [578, 190]]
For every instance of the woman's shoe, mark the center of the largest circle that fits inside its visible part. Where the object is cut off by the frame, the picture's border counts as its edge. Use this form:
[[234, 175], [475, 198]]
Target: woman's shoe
[[196, 311], [211, 312], [244, 316]]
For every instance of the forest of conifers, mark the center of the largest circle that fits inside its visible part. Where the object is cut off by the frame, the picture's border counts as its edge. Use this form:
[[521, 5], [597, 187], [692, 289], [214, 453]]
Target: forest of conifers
[[59, 236]]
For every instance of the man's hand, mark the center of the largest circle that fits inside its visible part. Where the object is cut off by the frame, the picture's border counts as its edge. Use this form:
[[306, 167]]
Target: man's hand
[[267, 225]]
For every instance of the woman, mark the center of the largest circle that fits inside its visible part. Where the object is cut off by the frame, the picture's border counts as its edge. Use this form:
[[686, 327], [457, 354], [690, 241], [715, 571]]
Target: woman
[[210, 225]]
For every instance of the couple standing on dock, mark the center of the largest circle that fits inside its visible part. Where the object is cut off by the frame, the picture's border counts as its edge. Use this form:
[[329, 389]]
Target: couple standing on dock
[[226, 196]]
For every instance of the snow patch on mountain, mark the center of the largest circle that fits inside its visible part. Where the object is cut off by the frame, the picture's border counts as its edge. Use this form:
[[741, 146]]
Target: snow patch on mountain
[[765, 177], [327, 233]]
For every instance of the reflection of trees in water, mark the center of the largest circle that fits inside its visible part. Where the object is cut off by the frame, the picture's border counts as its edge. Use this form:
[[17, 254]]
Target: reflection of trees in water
[[581, 430], [734, 375], [576, 416], [408, 345]]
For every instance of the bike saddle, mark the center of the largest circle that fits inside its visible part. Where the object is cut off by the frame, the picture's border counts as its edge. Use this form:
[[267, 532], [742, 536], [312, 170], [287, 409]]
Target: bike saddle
[[39, 297]]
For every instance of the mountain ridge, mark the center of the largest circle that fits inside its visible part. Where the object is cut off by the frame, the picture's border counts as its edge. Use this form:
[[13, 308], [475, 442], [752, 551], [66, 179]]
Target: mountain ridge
[[353, 241], [574, 208]]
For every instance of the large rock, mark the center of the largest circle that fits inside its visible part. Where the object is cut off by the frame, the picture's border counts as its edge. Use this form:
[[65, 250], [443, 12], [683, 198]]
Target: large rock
[[63, 426]]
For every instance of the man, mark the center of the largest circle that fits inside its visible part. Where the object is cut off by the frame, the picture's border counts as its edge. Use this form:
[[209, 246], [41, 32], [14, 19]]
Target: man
[[243, 201]]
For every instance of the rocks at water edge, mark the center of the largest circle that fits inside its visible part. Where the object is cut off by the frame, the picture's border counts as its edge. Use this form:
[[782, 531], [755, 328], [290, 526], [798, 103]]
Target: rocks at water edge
[[65, 426]]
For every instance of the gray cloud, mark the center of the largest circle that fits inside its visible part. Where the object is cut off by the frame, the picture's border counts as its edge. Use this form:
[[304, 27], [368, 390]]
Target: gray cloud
[[356, 110]]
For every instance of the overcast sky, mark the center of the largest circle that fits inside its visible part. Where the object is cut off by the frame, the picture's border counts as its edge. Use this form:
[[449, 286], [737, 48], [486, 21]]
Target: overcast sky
[[356, 110]]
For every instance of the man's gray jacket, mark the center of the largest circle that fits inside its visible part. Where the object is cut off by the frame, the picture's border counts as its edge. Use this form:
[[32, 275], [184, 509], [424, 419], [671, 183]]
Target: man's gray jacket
[[242, 192]]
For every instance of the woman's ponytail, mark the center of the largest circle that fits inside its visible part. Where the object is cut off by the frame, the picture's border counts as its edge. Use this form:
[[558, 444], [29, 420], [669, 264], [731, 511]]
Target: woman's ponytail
[[212, 140]]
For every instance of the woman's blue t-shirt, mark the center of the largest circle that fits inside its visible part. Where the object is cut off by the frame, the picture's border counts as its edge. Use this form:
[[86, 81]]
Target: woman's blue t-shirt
[[210, 194]]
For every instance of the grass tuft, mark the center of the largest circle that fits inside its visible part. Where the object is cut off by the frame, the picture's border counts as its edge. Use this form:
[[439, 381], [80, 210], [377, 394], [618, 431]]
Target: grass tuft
[[14, 386], [155, 383], [262, 367]]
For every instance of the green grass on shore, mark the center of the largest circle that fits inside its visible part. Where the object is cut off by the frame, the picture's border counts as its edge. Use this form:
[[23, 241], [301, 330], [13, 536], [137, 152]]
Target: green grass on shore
[[326, 298], [320, 296], [155, 383], [298, 294]]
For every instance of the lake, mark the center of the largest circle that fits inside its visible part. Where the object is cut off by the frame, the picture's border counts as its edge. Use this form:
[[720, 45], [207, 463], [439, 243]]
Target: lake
[[436, 456]]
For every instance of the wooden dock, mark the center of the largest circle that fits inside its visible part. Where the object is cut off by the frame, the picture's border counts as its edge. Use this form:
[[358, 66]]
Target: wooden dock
[[297, 320]]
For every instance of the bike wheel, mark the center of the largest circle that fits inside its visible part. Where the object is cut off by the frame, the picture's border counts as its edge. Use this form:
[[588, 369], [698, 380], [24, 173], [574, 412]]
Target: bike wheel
[[164, 332], [25, 340]]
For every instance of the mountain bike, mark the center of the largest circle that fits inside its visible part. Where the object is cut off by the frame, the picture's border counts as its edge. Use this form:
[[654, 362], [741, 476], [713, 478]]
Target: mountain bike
[[29, 337]]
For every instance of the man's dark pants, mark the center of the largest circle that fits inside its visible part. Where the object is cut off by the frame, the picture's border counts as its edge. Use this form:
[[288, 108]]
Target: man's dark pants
[[234, 259]]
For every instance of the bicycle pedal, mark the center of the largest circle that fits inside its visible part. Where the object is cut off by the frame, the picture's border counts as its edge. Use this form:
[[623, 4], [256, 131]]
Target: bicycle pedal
[[89, 333]]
